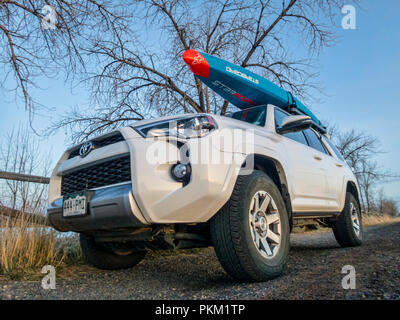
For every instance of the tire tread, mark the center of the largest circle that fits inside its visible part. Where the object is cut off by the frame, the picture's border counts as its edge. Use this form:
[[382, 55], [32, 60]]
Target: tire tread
[[98, 257], [343, 228], [229, 238]]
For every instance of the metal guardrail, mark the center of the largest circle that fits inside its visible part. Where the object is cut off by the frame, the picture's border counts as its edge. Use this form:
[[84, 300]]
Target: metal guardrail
[[23, 177], [33, 219], [16, 214]]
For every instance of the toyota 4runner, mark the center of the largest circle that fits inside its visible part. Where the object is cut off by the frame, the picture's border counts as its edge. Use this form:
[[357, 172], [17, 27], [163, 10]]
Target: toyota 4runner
[[149, 186]]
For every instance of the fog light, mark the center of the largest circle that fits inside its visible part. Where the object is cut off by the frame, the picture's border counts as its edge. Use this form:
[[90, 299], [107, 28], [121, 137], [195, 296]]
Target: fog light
[[180, 171]]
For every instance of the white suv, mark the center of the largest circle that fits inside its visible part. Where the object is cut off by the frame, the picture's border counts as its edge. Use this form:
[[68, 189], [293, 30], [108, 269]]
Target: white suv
[[145, 187]]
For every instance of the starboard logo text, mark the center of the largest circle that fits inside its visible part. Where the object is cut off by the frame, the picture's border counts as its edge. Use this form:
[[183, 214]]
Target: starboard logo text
[[232, 92], [243, 75]]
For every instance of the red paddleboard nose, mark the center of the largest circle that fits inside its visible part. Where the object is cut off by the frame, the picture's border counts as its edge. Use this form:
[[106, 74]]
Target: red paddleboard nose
[[197, 63]]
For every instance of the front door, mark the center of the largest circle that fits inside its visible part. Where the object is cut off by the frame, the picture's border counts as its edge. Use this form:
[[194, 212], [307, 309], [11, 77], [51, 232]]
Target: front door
[[307, 171]]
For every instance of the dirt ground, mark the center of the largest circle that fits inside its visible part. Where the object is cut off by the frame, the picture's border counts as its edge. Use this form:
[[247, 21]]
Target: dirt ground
[[313, 272]]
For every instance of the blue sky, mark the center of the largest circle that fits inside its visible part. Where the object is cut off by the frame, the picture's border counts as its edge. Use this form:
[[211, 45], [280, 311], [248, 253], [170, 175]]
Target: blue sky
[[360, 77]]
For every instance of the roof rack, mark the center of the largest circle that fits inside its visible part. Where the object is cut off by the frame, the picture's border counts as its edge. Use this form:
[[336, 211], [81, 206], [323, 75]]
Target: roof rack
[[293, 109]]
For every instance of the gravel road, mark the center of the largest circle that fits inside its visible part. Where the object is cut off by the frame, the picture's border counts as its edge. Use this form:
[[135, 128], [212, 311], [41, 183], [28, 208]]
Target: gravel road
[[313, 272]]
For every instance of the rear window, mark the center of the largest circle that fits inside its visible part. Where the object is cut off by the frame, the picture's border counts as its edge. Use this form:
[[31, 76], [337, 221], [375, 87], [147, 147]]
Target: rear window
[[256, 115], [333, 147]]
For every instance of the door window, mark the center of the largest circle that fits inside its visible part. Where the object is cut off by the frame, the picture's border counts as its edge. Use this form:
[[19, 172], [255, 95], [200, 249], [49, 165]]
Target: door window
[[314, 141]]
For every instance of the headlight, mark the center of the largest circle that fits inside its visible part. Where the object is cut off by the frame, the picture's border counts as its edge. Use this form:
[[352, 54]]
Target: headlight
[[193, 127]]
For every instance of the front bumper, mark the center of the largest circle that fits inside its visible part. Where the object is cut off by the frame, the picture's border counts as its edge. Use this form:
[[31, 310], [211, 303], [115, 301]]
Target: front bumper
[[152, 196], [109, 208]]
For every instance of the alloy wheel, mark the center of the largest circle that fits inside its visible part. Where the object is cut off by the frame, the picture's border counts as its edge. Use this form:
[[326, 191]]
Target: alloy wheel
[[265, 224]]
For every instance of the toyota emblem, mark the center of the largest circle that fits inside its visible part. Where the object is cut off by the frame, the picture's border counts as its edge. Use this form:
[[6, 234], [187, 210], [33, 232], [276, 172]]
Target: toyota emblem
[[86, 148]]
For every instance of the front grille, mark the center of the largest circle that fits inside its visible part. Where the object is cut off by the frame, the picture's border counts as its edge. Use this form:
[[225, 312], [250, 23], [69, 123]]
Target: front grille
[[97, 175], [100, 142]]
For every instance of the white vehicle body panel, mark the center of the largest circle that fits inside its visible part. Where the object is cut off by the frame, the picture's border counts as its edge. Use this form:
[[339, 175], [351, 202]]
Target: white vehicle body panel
[[314, 185]]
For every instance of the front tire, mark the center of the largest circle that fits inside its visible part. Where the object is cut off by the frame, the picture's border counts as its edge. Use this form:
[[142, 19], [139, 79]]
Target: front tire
[[251, 232], [348, 229], [102, 257]]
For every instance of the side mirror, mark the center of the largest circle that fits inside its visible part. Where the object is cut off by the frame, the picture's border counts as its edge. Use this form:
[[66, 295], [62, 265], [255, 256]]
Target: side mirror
[[157, 132], [294, 124]]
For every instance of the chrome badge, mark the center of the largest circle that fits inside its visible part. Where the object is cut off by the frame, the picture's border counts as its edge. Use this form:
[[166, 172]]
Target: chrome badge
[[86, 148]]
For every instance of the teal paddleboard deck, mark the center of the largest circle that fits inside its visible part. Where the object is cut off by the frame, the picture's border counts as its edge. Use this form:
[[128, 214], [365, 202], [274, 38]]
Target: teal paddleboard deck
[[241, 87]]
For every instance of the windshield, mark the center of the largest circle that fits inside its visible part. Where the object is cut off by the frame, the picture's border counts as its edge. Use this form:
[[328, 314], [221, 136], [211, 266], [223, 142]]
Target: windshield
[[255, 115]]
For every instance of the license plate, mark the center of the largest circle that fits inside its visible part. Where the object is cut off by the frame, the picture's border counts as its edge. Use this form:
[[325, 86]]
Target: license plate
[[75, 204]]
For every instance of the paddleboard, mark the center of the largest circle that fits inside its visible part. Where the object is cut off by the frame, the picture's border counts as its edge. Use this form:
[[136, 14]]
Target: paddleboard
[[239, 86]]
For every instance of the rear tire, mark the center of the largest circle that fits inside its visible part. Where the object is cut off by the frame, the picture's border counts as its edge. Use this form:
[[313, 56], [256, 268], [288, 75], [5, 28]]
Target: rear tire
[[102, 257], [348, 229], [241, 233]]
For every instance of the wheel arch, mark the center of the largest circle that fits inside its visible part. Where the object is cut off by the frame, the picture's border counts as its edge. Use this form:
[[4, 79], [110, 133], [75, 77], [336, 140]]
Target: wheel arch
[[274, 169], [353, 189]]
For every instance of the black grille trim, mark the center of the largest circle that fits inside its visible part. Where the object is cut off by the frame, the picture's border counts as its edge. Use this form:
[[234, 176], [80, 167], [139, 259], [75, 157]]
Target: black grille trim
[[100, 142], [98, 175]]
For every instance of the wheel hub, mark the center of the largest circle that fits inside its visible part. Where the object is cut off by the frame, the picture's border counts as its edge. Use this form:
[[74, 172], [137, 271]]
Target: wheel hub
[[265, 225], [355, 220], [261, 223]]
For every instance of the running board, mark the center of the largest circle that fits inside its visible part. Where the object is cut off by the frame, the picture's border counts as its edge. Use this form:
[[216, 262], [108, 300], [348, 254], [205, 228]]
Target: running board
[[314, 215]]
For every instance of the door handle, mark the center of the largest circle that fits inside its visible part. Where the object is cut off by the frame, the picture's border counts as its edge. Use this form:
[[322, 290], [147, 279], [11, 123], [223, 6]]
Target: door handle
[[339, 165], [317, 157]]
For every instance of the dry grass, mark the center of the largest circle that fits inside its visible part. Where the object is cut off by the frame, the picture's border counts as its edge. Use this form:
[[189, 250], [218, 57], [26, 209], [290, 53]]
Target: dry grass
[[26, 247], [375, 219]]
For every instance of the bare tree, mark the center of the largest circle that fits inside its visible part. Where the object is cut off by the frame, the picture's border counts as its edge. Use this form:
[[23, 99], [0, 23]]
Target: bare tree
[[359, 150], [389, 206], [142, 73], [356, 146], [368, 176], [38, 40], [19, 154], [385, 205]]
